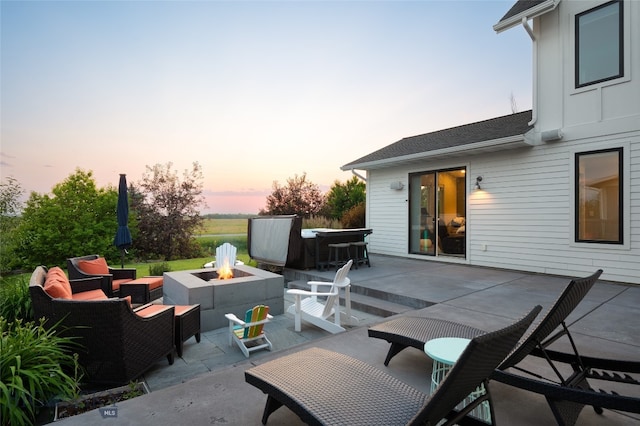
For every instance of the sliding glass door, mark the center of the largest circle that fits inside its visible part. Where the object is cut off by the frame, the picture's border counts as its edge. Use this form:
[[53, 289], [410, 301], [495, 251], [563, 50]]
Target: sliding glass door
[[437, 212]]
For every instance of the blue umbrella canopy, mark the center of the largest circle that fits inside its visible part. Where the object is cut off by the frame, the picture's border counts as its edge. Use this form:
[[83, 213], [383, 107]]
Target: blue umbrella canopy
[[123, 235]]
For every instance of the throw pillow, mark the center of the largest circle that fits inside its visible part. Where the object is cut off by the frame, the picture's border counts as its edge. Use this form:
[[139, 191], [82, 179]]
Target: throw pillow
[[57, 285], [94, 267]]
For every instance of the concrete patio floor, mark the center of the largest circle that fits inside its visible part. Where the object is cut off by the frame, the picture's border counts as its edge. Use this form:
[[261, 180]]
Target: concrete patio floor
[[206, 385]]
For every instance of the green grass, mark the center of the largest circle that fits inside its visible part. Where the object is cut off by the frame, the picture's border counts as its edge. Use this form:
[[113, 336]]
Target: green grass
[[223, 227], [142, 269]]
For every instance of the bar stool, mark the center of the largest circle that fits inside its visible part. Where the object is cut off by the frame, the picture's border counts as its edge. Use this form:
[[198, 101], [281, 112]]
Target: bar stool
[[341, 254], [360, 247]]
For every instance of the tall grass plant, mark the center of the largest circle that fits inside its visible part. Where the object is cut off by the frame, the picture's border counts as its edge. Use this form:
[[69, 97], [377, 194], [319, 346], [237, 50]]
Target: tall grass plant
[[15, 301], [34, 366]]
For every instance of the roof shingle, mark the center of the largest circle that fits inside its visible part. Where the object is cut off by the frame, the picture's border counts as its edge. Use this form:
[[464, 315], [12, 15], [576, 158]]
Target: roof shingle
[[487, 130], [519, 7]]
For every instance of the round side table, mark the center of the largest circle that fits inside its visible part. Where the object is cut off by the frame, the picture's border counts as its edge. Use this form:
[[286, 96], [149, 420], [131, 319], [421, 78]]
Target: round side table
[[445, 352]]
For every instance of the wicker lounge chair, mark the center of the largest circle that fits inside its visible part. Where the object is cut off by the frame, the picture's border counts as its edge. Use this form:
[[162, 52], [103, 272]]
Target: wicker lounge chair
[[568, 395], [328, 388], [94, 266], [119, 345], [116, 282], [82, 289]]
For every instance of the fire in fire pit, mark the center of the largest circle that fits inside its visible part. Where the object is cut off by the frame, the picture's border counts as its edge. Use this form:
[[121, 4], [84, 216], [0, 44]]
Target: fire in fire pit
[[225, 272], [216, 274]]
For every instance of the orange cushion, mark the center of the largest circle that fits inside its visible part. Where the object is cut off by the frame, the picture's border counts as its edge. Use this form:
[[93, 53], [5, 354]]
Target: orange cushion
[[153, 282], [95, 267], [152, 310], [182, 309], [90, 295], [56, 284], [115, 284]]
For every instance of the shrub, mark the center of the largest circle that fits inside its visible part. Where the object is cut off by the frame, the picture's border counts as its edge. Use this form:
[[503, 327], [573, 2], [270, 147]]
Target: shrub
[[320, 222], [159, 268], [15, 300], [33, 361], [354, 217]]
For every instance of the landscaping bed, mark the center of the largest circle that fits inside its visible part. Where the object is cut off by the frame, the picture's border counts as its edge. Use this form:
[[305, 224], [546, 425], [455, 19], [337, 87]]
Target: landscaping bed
[[106, 398]]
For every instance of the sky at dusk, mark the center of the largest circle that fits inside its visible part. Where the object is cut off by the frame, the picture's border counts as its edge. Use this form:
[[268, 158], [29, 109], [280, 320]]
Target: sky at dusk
[[255, 91]]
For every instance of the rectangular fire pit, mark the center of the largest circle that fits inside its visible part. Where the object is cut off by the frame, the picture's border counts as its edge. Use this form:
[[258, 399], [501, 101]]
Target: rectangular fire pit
[[248, 287]]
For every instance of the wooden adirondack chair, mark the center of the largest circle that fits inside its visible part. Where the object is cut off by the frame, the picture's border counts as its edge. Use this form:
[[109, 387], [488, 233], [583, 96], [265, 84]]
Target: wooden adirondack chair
[[317, 313], [249, 334]]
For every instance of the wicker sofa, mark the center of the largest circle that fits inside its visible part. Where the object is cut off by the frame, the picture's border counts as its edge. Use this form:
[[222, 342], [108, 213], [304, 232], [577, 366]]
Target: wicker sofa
[[116, 344]]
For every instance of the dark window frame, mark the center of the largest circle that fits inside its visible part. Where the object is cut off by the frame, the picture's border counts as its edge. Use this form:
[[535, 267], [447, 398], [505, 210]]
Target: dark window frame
[[620, 44], [620, 240]]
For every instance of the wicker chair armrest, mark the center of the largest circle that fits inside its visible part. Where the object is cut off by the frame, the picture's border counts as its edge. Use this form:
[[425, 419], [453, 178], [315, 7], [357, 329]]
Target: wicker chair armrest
[[120, 274], [86, 284], [106, 281], [141, 307]]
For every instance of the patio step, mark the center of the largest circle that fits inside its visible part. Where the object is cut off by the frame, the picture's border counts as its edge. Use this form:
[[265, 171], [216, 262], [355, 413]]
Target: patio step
[[408, 301], [375, 306], [374, 302]]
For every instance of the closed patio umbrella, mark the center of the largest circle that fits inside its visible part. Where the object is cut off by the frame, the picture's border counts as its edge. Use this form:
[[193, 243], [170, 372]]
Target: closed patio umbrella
[[123, 235]]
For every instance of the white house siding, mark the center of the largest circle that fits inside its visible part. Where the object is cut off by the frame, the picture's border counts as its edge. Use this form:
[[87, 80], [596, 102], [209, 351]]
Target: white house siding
[[388, 216], [598, 106], [524, 216]]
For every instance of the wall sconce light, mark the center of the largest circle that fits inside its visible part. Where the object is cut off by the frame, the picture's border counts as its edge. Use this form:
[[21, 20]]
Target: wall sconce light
[[477, 186], [396, 185]]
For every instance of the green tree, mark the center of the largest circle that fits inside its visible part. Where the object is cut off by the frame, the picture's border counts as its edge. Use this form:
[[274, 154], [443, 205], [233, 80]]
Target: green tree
[[299, 197], [78, 219], [167, 212], [343, 197], [10, 207]]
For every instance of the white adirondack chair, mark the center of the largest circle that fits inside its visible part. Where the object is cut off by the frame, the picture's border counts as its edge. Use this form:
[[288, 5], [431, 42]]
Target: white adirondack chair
[[225, 251], [314, 311], [226, 254]]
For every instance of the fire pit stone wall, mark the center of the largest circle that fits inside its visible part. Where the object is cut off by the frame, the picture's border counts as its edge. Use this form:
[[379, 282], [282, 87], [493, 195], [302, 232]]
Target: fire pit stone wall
[[249, 287]]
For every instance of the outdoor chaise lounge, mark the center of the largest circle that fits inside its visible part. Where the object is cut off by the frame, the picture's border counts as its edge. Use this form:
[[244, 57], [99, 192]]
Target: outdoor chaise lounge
[[566, 395], [328, 388]]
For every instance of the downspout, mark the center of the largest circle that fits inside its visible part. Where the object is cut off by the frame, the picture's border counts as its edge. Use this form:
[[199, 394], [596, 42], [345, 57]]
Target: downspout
[[358, 174], [534, 97]]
